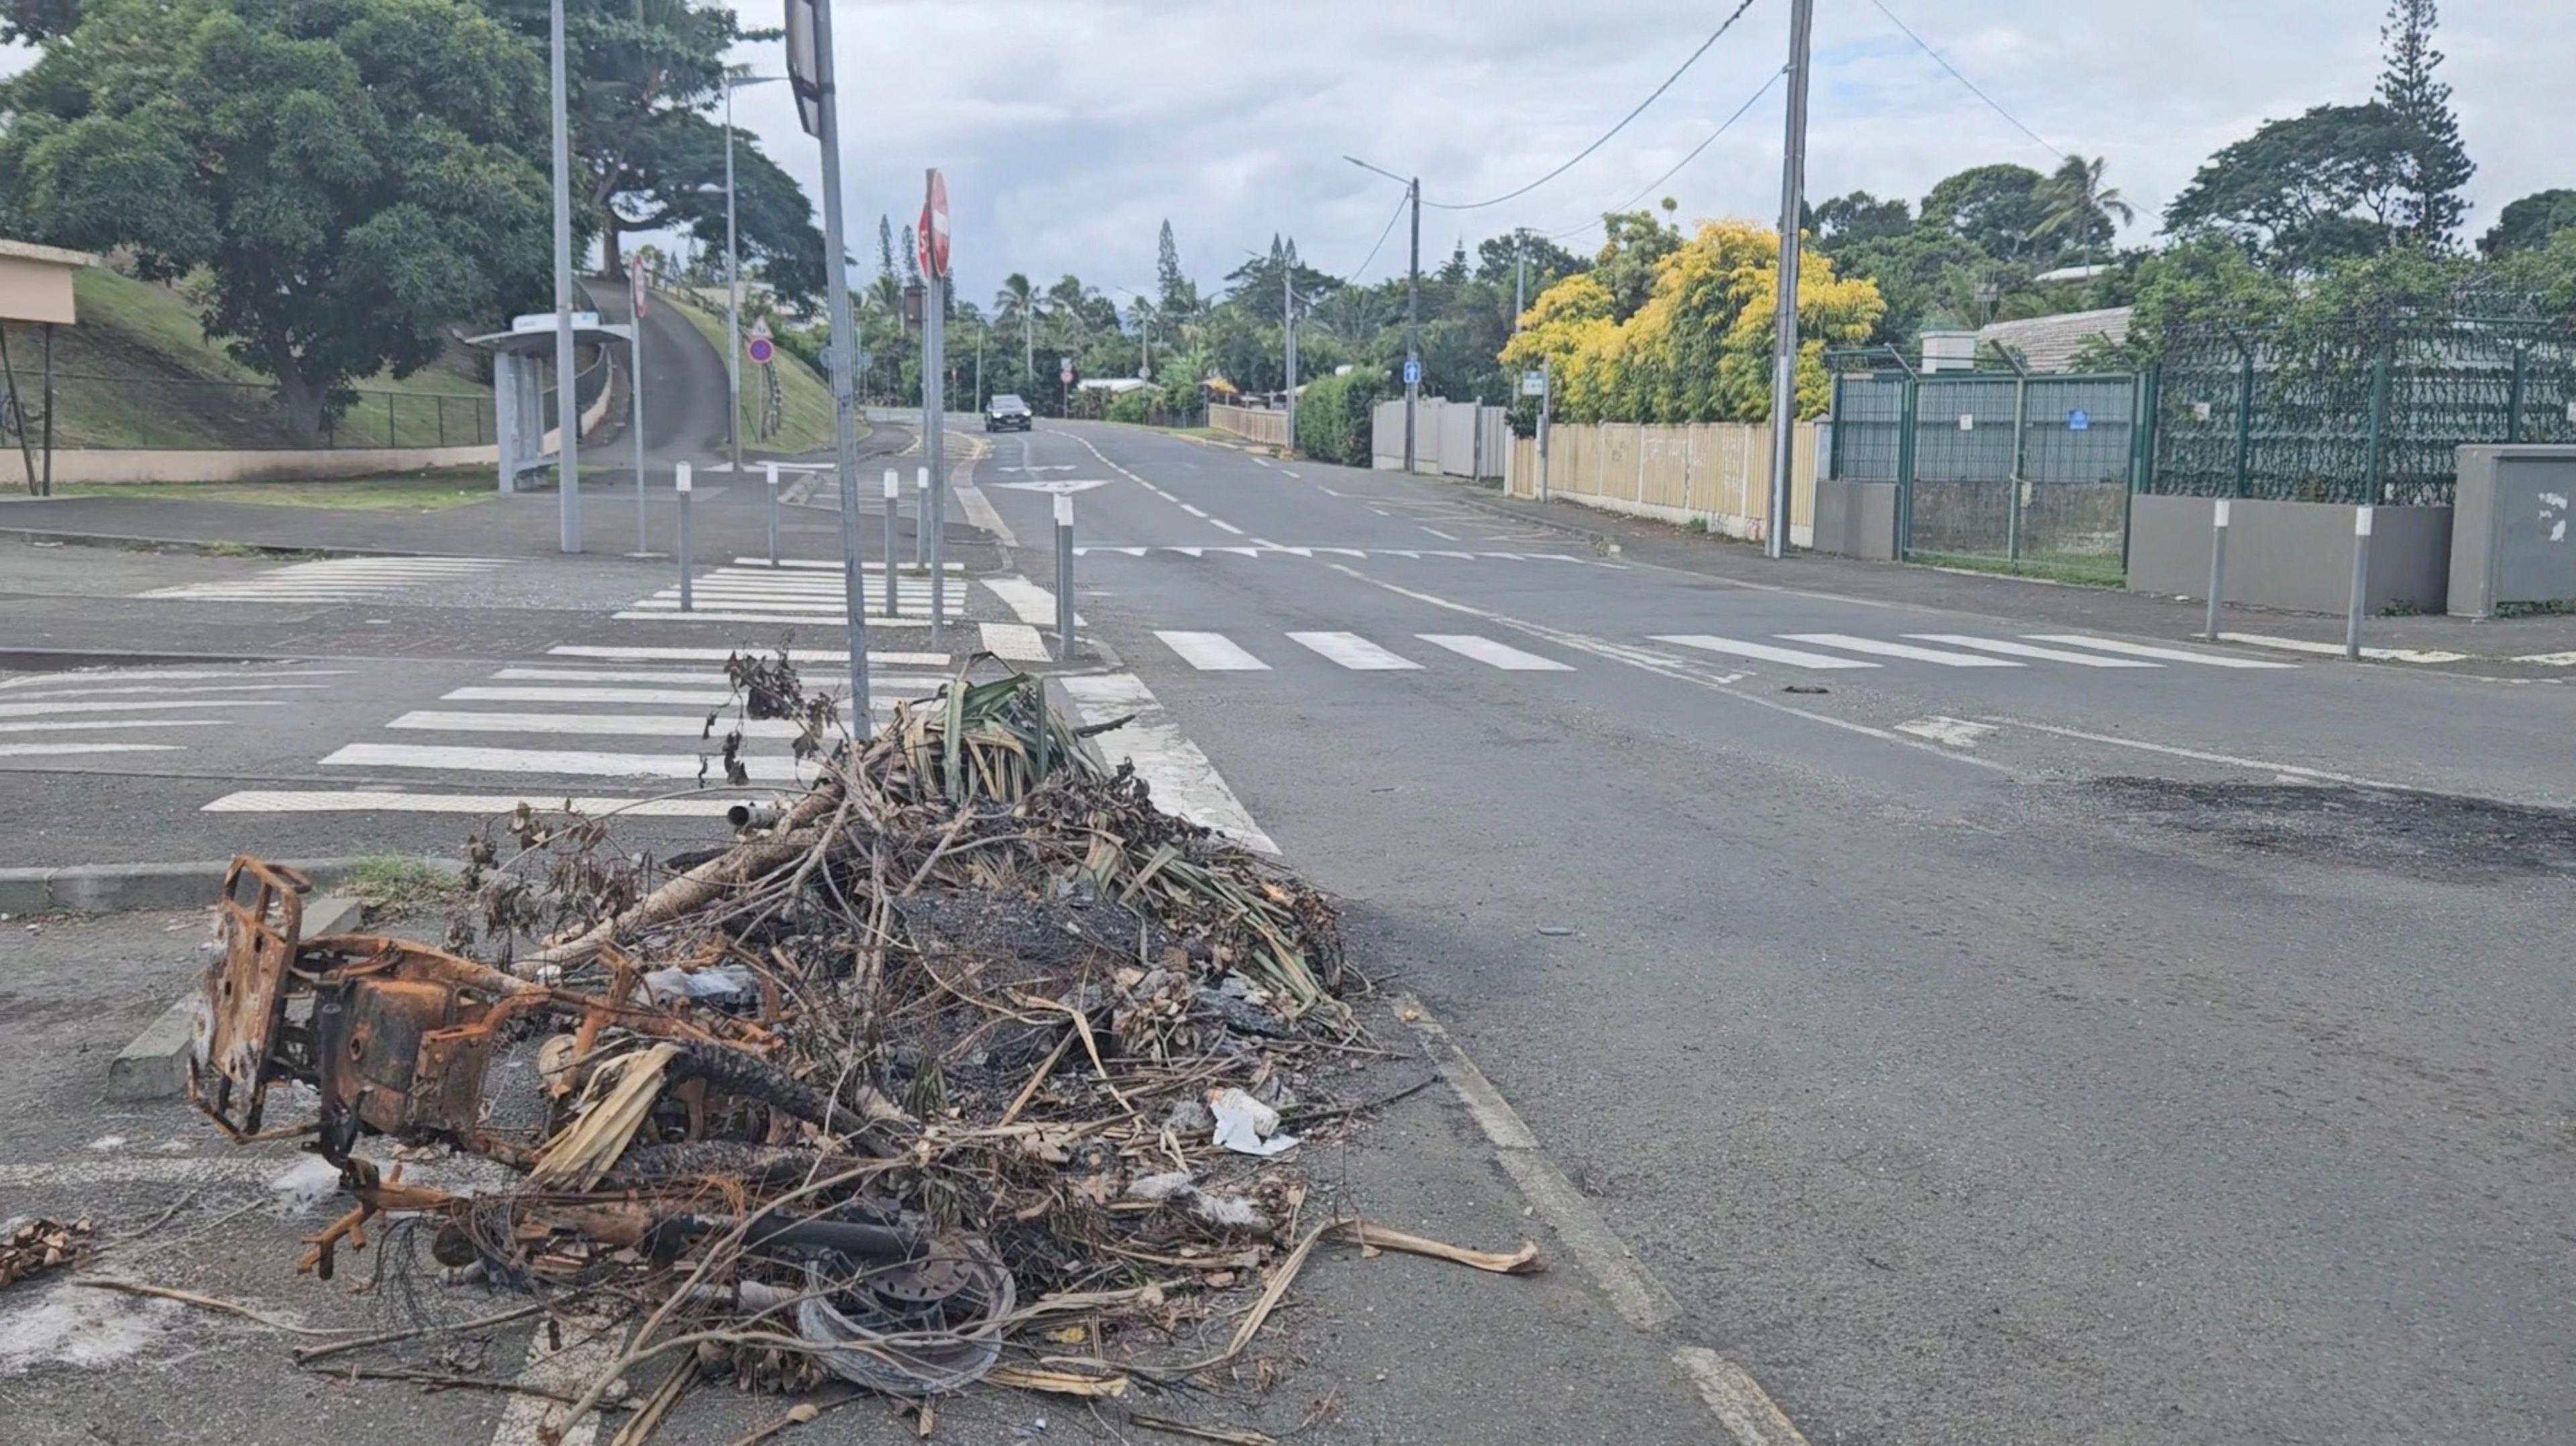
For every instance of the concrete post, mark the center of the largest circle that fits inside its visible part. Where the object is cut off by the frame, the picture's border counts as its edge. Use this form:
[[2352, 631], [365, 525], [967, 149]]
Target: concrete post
[[680, 481], [1064, 577], [2217, 564], [893, 565], [921, 518], [2360, 580], [771, 477]]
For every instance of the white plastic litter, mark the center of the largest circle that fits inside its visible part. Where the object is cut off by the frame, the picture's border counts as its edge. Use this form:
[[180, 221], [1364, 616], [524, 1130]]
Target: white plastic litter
[[1245, 1125]]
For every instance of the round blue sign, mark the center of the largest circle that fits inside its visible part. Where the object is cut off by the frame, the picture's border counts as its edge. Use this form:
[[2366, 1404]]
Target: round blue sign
[[2077, 419]]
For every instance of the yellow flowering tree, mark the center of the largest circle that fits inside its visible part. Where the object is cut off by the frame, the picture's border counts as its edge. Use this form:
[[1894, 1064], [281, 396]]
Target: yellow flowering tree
[[1699, 349]]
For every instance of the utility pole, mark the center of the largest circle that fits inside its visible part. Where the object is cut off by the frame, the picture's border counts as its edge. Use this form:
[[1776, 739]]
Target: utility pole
[[845, 355], [1520, 276], [1784, 354], [1288, 346], [567, 382], [1413, 323], [733, 308]]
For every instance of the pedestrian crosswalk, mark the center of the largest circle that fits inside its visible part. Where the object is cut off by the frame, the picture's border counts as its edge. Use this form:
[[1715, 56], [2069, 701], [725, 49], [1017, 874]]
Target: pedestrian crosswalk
[[758, 593], [657, 715], [142, 710], [338, 579], [1416, 554], [1216, 652]]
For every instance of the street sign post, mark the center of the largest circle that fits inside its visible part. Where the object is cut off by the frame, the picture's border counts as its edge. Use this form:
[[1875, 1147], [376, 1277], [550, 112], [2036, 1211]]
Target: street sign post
[[760, 348], [931, 238], [638, 282], [1064, 371]]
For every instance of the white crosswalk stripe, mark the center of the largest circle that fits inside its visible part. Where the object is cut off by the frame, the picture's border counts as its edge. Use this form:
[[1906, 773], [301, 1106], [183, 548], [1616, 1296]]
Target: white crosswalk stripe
[[372, 800], [626, 725], [1266, 549], [338, 579], [625, 654], [76, 710], [563, 762], [56, 750], [1761, 652], [2011, 649], [1013, 642], [760, 593], [1212, 652], [1883, 649], [1494, 654], [2170, 655], [1352, 651]]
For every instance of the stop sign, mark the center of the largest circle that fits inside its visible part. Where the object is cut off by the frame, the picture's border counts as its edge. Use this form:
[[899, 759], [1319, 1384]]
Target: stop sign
[[1064, 370], [933, 232]]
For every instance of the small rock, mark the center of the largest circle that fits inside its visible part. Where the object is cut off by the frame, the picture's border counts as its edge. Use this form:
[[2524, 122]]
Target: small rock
[[1556, 931]]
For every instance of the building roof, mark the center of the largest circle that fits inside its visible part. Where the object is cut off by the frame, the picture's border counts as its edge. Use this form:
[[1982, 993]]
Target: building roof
[[2050, 343], [30, 251]]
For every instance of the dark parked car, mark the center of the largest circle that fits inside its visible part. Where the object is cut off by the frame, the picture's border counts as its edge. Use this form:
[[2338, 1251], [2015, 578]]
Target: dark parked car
[[1006, 413]]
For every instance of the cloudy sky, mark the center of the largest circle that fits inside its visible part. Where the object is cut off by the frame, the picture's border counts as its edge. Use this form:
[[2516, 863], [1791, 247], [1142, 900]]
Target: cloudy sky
[[1069, 129]]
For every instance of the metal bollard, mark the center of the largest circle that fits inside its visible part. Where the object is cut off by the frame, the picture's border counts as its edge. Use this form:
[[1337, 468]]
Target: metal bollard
[[1064, 577], [920, 517], [680, 479], [894, 504], [772, 470], [2360, 580], [2217, 564]]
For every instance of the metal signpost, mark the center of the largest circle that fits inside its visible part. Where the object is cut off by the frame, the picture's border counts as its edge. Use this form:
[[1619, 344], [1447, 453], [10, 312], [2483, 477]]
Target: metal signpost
[[1545, 376], [932, 237], [680, 484], [636, 285], [920, 521], [567, 390], [1063, 494], [893, 504], [772, 470], [809, 70]]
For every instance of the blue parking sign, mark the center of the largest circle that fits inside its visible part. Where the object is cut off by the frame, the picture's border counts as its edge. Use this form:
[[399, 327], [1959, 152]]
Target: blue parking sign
[[2078, 419], [1412, 372]]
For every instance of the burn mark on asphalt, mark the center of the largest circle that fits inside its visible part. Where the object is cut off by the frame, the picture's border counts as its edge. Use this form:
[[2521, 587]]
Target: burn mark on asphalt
[[2425, 835]]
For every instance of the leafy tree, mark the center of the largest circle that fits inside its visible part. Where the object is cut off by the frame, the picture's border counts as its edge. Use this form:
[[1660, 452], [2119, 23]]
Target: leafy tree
[[2437, 164], [2303, 192], [2080, 209], [1999, 209], [1857, 218], [2530, 222], [1699, 349], [1526, 260], [1015, 312], [1912, 270], [34, 22], [1633, 244], [352, 175]]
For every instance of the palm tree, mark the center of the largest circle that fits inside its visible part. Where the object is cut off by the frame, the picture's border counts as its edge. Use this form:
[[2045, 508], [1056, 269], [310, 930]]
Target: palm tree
[[2080, 207], [1015, 307]]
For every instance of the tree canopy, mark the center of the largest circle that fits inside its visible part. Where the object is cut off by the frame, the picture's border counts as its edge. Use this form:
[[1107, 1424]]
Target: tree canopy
[[352, 175]]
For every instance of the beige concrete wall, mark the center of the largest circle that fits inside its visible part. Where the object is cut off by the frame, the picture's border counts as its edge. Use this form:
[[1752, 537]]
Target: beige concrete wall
[[1253, 424], [33, 290], [1717, 473]]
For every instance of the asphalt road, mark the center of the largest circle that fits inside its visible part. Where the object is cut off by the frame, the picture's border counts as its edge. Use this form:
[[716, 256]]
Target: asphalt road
[[1989, 1027], [2109, 1073]]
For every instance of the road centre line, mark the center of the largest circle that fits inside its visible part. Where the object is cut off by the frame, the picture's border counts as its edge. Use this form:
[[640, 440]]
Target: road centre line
[[2197, 755]]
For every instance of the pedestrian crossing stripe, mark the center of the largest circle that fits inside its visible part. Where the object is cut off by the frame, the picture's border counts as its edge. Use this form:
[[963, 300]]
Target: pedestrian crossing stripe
[[336, 579], [624, 725], [702, 615], [2011, 649], [624, 653], [565, 763], [1494, 654], [1362, 553], [1884, 649], [802, 564], [1760, 652], [97, 711], [480, 804], [54, 750], [1212, 652], [1353, 651], [2142, 650]]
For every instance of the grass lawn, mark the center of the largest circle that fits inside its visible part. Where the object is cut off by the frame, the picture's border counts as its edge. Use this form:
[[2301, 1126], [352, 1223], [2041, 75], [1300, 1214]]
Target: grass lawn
[[422, 492], [2089, 569], [805, 423]]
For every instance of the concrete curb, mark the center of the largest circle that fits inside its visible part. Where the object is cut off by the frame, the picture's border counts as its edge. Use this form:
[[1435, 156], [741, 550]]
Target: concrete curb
[[199, 544], [108, 888]]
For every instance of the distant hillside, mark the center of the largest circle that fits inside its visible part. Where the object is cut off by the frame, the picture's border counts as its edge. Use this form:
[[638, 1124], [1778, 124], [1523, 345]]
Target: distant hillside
[[138, 371]]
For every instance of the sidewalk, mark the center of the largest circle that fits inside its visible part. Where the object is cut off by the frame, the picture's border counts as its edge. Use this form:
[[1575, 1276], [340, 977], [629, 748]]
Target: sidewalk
[[2540, 647]]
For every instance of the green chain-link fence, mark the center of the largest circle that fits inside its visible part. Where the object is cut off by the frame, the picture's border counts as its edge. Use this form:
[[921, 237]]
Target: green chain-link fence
[[2350, 412]]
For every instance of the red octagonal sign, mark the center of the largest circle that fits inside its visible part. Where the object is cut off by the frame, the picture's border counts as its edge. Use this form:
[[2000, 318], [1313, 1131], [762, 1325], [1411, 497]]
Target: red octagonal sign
[[932, 234]]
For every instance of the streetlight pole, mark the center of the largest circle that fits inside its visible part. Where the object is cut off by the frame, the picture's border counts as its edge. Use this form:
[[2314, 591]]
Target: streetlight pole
[[836, 290], [567, 388], [1288, 345], [733, 281], [1413, 326], [1784, 353], [1520, 276]]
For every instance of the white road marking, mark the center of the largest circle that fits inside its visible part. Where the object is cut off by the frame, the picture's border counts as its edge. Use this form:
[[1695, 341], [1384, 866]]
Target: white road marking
[[2335, 650], [383, 801], [1212, 652], [148, 691], [1224, 526], [1193, 511], [335, 580], [1352, 651], [718, 655], [1443, 536], [2548, 660], [41, 710], [1033, 604], [2198, 755], [1738, 1401], [1014, 642], [2012, 649], [591, 1344], [1494, 654], [2142, 650], [819, 565], [702, 615], [623, 725], [1182, 778], [1759, 652], [1957, 732], [53, 750], [155, 675], [567, 762], [676, 697], [1899, 650], [1289, 473], [87, 725], [140, 1170]]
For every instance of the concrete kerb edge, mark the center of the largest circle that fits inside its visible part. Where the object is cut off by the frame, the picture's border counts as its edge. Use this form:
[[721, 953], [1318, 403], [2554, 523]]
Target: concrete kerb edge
[[110, 888], [199, 544]]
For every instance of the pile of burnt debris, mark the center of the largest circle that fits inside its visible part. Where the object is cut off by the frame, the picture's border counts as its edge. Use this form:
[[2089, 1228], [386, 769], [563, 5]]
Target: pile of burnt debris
[[965, 1064]]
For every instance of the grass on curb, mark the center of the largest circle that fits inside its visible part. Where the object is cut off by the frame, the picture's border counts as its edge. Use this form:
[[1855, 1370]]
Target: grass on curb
[[2081, 569], [418, 492], [392, 883]]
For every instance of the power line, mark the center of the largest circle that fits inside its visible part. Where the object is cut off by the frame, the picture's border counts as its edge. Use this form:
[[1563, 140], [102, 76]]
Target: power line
[[1578, 156], [1651, 186], [1381, 241], [1970, 84]]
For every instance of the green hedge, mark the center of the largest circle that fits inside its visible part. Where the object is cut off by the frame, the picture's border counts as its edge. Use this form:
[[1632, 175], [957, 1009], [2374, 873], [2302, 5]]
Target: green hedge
[[1333, 415]]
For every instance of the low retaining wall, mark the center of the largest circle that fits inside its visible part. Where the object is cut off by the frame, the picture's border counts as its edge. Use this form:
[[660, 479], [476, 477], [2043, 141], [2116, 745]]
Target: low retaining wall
[[1856, 519], [1253, 424], [284, 464], [2296, 556], [2513, 535]]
